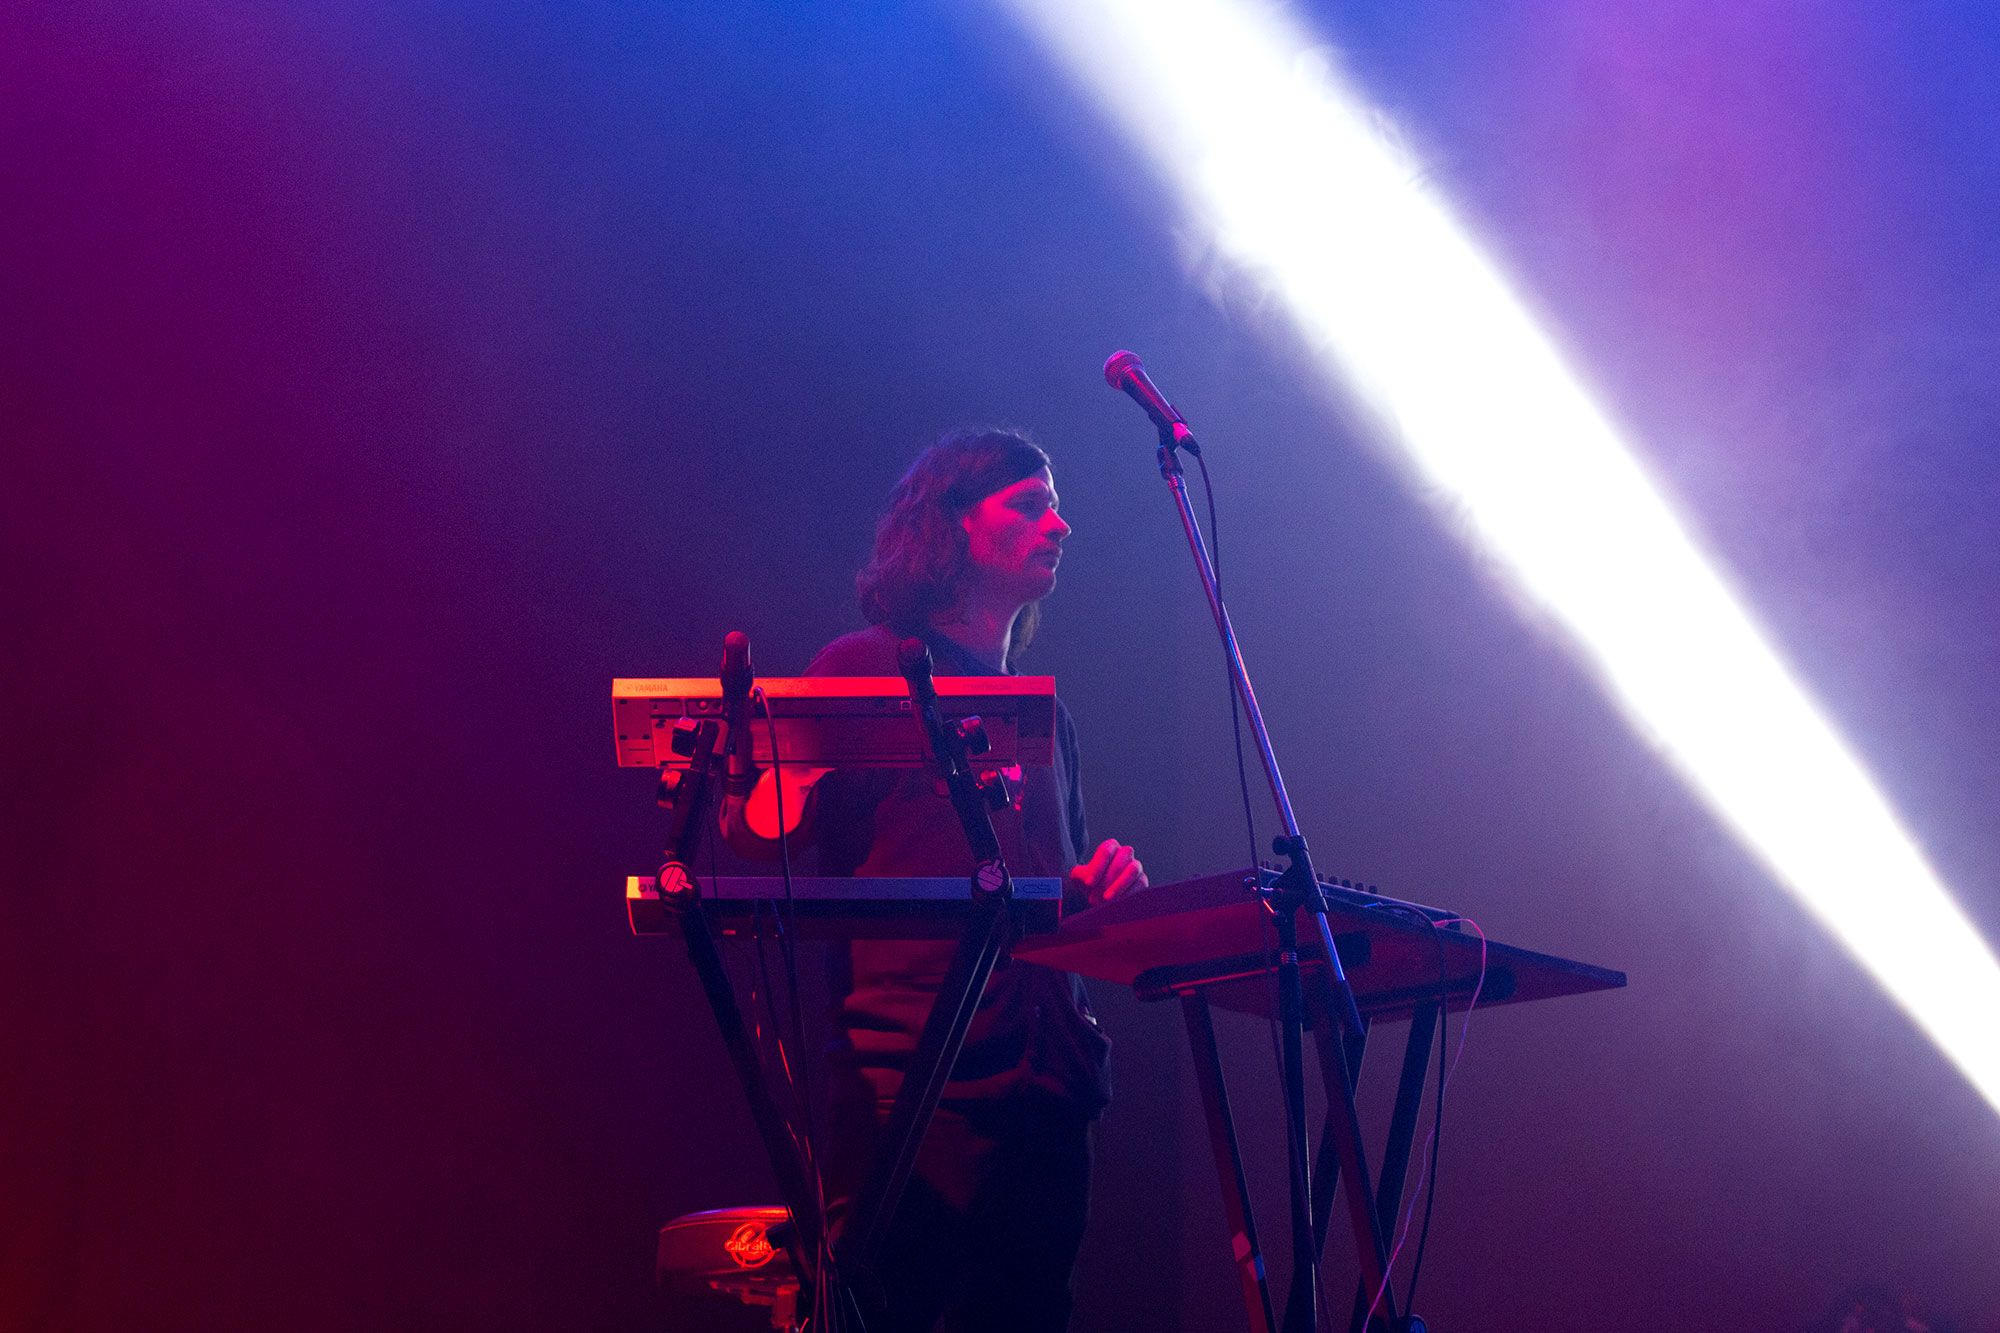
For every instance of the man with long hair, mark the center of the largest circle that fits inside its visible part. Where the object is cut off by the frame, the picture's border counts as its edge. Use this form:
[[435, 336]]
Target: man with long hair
[[988, 1229]]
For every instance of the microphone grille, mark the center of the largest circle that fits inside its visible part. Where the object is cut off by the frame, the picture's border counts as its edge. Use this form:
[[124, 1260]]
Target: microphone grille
[[1120, 365], [736, 672]]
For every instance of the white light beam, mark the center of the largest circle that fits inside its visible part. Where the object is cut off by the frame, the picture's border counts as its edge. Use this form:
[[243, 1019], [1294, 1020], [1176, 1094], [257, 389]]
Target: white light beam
[[1269, 151]]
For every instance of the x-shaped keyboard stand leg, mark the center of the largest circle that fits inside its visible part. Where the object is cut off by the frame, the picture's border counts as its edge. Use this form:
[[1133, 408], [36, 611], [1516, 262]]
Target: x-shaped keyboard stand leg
[[979, 949], [1332, 1158]]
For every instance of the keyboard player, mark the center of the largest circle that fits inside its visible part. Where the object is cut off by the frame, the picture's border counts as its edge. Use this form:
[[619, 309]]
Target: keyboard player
[[988, 1229]]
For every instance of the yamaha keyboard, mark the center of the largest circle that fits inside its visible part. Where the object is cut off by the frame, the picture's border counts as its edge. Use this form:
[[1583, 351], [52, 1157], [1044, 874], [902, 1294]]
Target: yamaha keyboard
[[880, 908], [841, 721]]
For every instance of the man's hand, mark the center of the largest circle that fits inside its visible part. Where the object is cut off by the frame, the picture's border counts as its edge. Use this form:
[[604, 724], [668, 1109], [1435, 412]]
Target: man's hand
[[1111, 870]]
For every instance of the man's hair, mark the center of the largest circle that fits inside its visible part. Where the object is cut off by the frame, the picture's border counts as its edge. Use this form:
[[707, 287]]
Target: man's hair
[[920, 547]]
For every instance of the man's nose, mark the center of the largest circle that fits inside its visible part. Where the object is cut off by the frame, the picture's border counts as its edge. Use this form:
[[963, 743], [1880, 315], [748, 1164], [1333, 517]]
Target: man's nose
[[1056, 526]]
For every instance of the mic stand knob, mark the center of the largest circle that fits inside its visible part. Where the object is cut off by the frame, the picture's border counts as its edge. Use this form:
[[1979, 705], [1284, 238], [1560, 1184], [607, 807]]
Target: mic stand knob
[[972, 731], [999, 793]]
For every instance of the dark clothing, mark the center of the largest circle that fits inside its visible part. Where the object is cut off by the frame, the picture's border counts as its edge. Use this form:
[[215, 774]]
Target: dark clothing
[[1034, 1035], [989, 1225], [988, 1228]]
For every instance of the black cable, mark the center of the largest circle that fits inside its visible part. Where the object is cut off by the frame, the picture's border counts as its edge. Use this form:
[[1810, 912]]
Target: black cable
[[1437, 1118], [1444, 1071], [1243, 791], [752, 953], [789, 929], [1236, 734], [802, 1089], [797, 1119], [763, 974], [763, 971], [1413, 913], [1229, 666]]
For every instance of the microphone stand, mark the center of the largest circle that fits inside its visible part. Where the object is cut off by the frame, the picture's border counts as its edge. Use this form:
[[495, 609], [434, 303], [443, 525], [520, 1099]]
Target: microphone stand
[[1296, 888], [988, 931], [689, 797]]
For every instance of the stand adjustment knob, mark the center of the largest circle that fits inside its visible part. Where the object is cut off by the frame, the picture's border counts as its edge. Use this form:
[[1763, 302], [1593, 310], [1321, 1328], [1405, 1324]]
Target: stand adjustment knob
[[999, 793], [972, 731]]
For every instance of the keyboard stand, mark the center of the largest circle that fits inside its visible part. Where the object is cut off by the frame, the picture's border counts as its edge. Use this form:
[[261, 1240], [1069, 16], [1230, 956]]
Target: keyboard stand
[[680, 891], [1205, 942], [988, 929]]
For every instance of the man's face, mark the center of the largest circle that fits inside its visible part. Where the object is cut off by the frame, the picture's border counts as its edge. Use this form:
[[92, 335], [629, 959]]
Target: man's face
[[1014, 539]]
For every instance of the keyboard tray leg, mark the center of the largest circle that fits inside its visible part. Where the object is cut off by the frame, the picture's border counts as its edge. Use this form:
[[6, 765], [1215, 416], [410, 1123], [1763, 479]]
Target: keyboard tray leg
[[988, 931], [1340, 1066], [1402, 1129], [1326, 1162], [1228, 1163]]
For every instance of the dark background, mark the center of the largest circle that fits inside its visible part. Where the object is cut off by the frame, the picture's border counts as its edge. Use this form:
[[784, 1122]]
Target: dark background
[[380, 380]]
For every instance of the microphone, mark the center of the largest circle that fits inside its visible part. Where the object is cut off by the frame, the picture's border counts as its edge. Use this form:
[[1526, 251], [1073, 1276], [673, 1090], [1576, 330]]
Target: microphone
[[737, 678], [1126, 373], [913, 659]]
